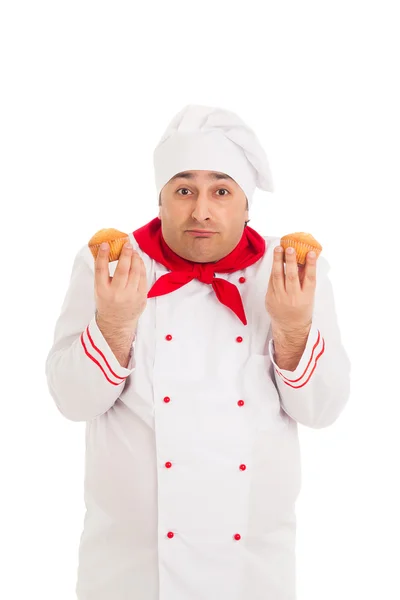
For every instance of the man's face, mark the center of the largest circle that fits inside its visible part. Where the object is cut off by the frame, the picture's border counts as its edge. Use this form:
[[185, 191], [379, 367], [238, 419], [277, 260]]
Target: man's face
[[205, 200]]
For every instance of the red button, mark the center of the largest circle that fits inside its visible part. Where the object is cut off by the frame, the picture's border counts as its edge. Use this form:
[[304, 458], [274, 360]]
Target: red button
[[240, 402], [239, 339], [168, 337], [168, 465], [237, 536], [167, 399], [242, 279], [170, 535], [242, 467]]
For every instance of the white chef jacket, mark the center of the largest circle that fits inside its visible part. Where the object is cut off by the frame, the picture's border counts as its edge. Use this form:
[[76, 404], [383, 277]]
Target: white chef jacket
[[192, 453]]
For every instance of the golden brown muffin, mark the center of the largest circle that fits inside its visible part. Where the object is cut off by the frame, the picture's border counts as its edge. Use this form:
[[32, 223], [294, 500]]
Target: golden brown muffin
[[115, 238], [302, 243]]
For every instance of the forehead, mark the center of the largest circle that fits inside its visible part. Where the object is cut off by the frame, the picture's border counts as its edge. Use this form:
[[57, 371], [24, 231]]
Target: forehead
[[212, 175]]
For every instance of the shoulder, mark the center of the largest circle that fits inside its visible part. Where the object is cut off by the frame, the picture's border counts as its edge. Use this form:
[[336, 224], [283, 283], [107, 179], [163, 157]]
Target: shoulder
[[271, 241], [84, 258]]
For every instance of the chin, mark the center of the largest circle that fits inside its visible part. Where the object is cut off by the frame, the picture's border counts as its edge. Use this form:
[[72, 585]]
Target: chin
[[200, 258]]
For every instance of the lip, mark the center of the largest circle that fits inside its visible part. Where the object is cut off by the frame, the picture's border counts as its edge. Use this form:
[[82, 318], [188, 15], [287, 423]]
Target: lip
[[201, 232]]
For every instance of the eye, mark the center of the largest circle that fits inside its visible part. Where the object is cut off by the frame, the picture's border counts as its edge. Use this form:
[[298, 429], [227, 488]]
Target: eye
[[219, 190]]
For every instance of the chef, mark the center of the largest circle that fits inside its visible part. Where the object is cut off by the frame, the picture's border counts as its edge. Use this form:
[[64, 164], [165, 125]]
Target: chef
[[192, 366]]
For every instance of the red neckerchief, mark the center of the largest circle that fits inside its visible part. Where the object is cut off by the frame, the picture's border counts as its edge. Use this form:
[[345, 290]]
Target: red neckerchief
[[248, 251]]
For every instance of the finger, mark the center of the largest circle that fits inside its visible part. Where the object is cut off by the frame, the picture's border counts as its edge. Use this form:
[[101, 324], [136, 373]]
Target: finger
[[122, 269], [134, 271], [292, 281], [301, 269], [310, 272], [101, 272], [278, 271], [143, 279]]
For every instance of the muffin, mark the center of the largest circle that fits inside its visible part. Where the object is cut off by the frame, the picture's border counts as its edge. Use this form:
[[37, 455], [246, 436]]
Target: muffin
[[302, 243], [116, 239]]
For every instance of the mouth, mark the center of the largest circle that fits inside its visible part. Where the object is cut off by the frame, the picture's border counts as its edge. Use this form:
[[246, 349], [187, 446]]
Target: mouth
[[201, 233]]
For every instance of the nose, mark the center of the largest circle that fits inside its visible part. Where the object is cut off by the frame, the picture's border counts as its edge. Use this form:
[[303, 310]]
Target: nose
[[201, 210]]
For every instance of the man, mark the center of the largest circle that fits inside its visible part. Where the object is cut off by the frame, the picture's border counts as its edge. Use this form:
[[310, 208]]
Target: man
[[192, 366]]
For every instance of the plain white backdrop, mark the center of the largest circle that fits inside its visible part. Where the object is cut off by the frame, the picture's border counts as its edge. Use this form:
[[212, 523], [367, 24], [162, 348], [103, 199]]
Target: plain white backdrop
[[87, 90]]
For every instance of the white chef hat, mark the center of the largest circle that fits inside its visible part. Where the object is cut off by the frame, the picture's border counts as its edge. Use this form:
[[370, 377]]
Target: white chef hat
[[212, 139]]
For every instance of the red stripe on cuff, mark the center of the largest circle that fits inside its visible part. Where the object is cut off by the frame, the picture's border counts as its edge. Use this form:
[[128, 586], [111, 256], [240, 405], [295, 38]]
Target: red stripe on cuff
[[102, 355], [313, 369], [308, 364], [97, 363]]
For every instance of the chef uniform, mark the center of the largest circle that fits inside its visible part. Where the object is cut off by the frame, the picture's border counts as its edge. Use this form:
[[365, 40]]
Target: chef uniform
[[192, 451]]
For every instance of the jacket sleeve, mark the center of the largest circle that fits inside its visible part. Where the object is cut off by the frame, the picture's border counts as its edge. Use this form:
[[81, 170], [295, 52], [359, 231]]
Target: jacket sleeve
[[315, 393], [83, 375]]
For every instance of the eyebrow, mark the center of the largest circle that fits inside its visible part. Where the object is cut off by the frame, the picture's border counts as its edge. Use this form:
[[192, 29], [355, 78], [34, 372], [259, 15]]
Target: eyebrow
[[185, 175]]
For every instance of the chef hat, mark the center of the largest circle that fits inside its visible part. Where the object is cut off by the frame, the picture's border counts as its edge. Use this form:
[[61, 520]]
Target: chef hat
[[212, 139]]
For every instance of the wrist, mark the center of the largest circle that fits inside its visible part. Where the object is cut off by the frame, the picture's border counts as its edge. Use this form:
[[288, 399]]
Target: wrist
[[117, 325], [289, 346], [119, 337], [292, 333]]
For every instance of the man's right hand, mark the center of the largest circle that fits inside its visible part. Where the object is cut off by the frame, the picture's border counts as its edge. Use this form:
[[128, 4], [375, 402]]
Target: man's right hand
[[121, 299]]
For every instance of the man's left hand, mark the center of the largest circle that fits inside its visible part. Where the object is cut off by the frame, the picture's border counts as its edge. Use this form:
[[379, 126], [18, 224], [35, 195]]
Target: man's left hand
[[290, 296]]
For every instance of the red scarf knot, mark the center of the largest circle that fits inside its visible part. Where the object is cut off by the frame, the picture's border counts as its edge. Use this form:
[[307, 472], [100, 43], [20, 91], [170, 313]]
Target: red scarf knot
[[249, 250]]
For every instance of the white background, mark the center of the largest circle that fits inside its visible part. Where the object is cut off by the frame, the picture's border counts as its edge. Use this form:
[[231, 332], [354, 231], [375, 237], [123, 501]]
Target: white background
[[87, 89]]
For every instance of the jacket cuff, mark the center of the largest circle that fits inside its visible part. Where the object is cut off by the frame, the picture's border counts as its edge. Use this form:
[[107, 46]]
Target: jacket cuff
[[97, 350], [314, 349]]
